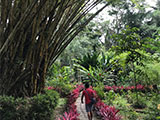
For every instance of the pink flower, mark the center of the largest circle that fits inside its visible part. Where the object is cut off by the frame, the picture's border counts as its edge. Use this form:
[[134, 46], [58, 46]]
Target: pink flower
[[72, 111], [108, 88], [50, 88], [139, 87], [107, 112]]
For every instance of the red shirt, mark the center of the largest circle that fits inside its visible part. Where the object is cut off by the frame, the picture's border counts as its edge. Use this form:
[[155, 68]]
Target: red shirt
[[87, 98]]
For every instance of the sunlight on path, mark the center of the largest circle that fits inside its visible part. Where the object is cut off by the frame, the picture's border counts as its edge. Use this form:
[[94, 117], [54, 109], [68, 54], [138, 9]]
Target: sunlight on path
[[81, 110]]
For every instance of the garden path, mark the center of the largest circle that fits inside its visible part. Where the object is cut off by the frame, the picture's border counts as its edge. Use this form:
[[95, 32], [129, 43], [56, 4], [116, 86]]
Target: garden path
[[81, 110]]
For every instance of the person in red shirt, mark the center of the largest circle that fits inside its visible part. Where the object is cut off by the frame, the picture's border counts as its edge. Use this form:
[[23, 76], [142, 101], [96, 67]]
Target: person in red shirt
[[87, 93]]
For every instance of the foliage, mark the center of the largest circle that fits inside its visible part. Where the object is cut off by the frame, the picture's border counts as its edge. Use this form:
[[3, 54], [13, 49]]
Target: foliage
[[100, 90], [119, 102], [62, 88], [131, 53], [56, 71], [122, 105], [131, 108], [137, 103], [106, 112], [91, 59], [128, 40], [150, 73], [43, 105], [60, 78], [86, 41], [71, 107], [103, 71], [121, 68], [62, 102], [109, 97], [38, 107], [11, 108], [153, 107]]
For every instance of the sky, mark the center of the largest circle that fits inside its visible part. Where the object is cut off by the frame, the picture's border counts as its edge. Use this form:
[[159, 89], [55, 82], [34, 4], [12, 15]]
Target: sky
[[151, 2], [104, 15]]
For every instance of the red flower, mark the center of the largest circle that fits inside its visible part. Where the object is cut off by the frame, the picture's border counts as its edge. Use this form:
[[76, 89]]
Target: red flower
[[108, 88], [72, 113], [89, 74], [139, 87], [106, 112], [100, 74], [50, 87]]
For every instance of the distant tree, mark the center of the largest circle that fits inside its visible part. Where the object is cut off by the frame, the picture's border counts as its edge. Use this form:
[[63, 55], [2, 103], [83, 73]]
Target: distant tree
[[87, 41], [133, 14]]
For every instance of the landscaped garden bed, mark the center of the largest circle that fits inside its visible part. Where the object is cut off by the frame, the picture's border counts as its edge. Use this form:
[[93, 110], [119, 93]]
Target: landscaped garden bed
[[104, 111], [71, 113], [138, 87]]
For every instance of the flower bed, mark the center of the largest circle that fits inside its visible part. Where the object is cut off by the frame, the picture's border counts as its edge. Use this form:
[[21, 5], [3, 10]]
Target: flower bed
[[71, 113], [106, 112], [138, 87], [63, 91]]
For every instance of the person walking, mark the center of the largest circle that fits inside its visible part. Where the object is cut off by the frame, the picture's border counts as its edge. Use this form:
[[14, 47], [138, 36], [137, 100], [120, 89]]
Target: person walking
[[88, 93]]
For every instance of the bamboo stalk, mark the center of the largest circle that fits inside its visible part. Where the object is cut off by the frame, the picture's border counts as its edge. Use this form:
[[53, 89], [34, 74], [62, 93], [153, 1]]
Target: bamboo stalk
[[35, 35]]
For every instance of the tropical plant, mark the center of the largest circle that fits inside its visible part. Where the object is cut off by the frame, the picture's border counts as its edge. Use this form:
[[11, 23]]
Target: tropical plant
[[72, 109], [149, 74], [107, 112], [91, 59], [39, 107], [100, 90], [60, 79], [153, 107]]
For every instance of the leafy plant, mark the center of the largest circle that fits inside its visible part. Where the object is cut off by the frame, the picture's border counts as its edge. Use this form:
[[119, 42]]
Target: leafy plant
[[122, 104], [137, 103], [38, 107], [153, 108], [15, 109], [109, 97], [42, 105], [150, 73], [60, 79], [91, 59], [106, 112], [100, 90], [72, 114]]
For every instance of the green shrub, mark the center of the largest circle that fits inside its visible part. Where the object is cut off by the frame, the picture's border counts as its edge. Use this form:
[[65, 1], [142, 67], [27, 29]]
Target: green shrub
[[13, 109], [42, 105], [137, 99], [64, 88], [100, 90], [109, 97], [153, 111], [60, 78], [120, 103], [39, 107]]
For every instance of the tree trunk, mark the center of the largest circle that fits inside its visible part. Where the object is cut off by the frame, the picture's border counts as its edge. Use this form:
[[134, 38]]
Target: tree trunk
[[32, 35]]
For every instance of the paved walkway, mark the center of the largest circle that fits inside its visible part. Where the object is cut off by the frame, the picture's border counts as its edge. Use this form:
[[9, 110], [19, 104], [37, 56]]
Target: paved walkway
[[81, 110]]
